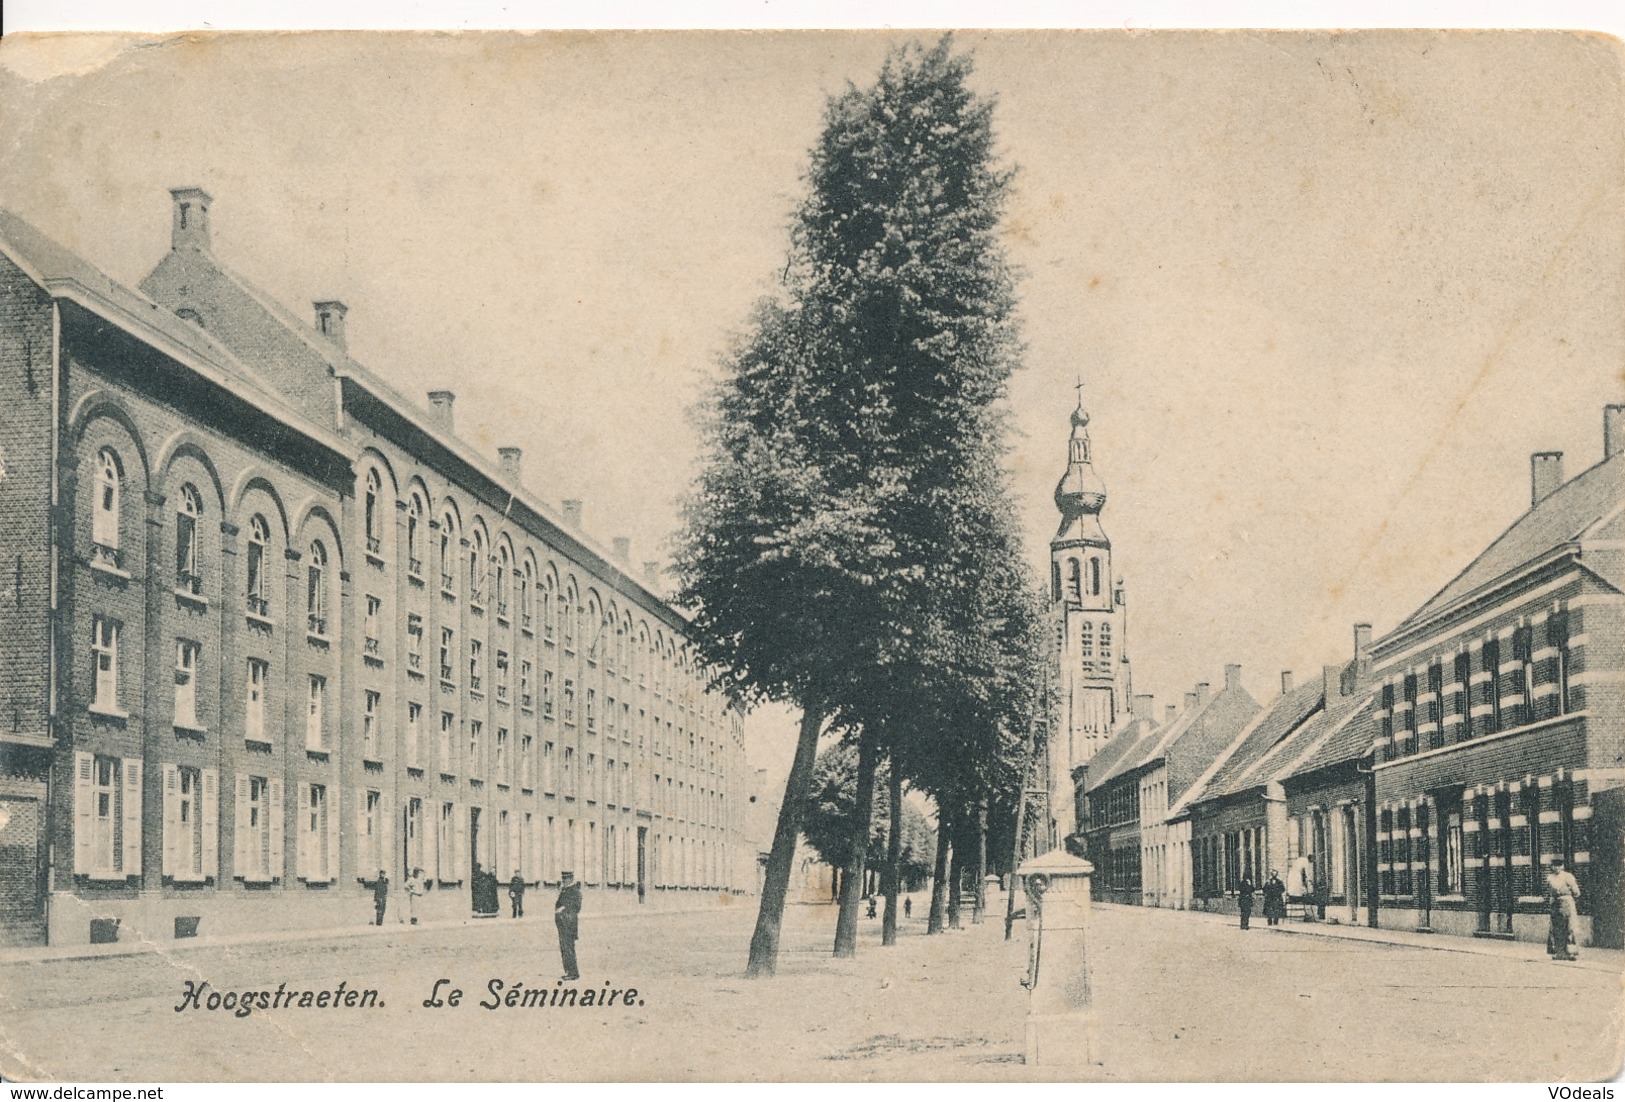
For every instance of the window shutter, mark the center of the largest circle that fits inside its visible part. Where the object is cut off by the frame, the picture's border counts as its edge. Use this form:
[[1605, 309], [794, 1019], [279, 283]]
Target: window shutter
[[431, 841], [131, 807], [172, 816], [386, 836], [274, 812], [459, 855], [211, 822], [366, 865], [333, 833], [304, 871], [239, 834], [84, 803]]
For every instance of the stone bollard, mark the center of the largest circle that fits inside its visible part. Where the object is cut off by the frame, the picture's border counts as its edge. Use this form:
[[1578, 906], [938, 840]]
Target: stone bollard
[[1061, 1028]]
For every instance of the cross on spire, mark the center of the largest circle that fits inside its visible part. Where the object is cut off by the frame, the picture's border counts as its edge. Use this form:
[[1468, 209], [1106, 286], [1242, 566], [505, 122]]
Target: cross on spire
[[1079, 389]]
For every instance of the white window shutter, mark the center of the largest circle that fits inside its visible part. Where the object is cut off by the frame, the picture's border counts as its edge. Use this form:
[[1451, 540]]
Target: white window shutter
[[172, 816], [304, 870], [274, 811], [386, 836], [459, 855], [431, 840], [84, 813], [211, 822], [333, 833], [366, 868], [132, 816], [239, 834]]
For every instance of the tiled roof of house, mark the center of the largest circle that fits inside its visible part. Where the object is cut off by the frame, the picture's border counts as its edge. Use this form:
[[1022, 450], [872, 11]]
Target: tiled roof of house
[[1565, 516], [58, 267], [1267, 729]]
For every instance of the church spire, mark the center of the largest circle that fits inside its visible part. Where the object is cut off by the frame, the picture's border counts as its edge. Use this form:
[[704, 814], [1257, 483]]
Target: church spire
[[1080, 495]]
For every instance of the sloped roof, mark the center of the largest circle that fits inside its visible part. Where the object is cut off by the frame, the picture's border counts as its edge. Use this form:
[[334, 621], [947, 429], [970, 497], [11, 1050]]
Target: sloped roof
[[1566, 516], [1122, 744], [60, 269], [1266, 730], [1347, 736]]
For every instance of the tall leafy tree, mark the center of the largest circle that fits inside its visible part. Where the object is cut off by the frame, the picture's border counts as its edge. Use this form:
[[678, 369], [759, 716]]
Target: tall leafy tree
[[841, 434]]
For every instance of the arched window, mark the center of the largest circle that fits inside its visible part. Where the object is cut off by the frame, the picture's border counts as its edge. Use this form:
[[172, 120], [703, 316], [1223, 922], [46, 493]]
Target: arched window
[[316, 589], [1074, 580], [414, 537], [502, 582], [1055, 581], [476, 569], [105, 518], [1094, 577], [375, 526], [568, 617], [549, 610], [1105, 644], [259, 537], [448, 554], [526, 581], [1086, 646], [187, 515]]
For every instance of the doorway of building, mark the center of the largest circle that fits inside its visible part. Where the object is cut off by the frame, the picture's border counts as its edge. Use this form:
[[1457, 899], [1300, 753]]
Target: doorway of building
[[22, 911], [643, 861], [1607, 819], [1351, 860]]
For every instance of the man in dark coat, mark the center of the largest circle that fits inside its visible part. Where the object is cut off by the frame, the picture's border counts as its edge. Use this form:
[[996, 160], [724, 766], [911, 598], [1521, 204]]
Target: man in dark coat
[[566, 911], [380, 897], [516, 894], [1244, 899], [1274, 899]]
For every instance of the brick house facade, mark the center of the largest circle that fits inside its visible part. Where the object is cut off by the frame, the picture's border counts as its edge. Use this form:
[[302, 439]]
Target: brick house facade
[[241, 561]]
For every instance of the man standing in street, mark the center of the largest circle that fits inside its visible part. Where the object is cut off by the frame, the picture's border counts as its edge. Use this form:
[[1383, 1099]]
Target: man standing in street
[[414, 888], [566, 911], [380, 896], [1244, 899], [516, 894]]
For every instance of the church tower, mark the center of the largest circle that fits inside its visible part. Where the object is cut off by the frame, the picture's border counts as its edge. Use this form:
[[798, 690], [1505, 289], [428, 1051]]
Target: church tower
[[1087, 617]]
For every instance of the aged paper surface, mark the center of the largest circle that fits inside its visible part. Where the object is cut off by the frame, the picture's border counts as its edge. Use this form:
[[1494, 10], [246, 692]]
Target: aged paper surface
[[1325, 295]]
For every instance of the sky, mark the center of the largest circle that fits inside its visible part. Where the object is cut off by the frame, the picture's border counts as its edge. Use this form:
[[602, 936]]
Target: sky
[[1325, 292]]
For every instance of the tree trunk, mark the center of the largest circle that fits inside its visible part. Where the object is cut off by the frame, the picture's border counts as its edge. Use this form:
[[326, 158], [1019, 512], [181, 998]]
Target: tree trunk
[[956, 874], [846, 922], [939, 878], [1018, 848], [979, 907], [894, 857], [764, 943]]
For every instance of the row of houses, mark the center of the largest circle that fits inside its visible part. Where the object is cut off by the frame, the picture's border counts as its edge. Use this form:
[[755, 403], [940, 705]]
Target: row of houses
[[269, 629], [1422, 782]]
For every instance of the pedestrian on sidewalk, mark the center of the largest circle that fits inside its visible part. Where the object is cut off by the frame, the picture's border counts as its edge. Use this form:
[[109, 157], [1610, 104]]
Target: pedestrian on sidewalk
[[908, 906], [1274, 899], [871, 911], [1563, 894], [380, 896], [566, 916], [516, 894], [414, 888], [1244, 899]]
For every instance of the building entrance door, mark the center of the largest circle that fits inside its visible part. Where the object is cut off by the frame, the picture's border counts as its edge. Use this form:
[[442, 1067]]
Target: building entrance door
[[22, 912], [476, 879], [1351, 860]]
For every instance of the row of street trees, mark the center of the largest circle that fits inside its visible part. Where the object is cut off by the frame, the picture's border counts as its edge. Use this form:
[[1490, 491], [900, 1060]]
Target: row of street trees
[[851, 547]]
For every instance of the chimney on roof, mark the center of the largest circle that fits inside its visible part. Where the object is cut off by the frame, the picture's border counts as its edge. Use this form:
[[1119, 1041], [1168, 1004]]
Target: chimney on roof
[[1286, 682], [1203, 691], [1545, 475], [1145, 706], [1190, 702], [440, 410], [191, 219], [651, 575], [1232, 676], [330, 320], [572, 512], [512, 460], [623, 551], [1170, 711], [1331, 682], [1362, 656], [1613, 430]]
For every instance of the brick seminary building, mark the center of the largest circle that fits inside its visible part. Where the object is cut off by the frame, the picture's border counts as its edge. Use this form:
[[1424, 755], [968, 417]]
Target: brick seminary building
[[268, 628]]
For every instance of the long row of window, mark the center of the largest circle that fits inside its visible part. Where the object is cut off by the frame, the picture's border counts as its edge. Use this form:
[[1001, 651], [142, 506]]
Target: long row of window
[[1422, 710]]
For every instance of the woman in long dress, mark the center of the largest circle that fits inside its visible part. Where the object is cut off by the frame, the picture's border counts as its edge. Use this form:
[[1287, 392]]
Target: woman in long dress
[[1563, 893]]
